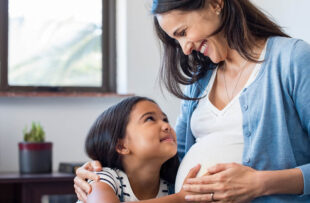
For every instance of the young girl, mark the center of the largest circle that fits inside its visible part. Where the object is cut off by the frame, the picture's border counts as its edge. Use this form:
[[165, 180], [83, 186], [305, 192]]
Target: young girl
[[137, 147]]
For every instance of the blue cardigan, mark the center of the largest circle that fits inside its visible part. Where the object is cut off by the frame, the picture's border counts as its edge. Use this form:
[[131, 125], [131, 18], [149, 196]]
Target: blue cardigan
[[276, 114]]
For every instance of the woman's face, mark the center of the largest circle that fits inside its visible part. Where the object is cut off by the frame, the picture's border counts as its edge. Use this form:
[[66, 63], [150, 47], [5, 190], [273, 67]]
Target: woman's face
[[192, 30], [149, 135]]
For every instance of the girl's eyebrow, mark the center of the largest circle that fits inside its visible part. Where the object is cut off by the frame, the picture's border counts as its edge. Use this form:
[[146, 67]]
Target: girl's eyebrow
[[146, 114], [151, 113]]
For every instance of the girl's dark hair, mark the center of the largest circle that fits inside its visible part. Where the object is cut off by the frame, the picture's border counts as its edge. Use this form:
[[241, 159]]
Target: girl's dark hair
[[111, 126], [242, 23]]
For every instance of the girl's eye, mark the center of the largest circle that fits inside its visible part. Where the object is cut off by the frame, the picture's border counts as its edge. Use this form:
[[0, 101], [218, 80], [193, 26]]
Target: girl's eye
[[150, 118], [166, 120]]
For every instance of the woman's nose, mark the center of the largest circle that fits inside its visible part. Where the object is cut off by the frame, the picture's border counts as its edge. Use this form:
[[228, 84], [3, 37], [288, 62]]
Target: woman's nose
[[187, 46]]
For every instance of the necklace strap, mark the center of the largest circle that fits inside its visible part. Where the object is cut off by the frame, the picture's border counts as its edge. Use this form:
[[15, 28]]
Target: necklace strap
[[236, 83]]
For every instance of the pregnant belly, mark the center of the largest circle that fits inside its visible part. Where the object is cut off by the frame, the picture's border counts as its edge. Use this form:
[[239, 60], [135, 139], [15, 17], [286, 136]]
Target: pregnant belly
[[207, 155]]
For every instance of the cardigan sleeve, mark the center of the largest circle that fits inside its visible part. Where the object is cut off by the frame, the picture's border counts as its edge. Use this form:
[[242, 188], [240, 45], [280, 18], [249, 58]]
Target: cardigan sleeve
[[181, 126], [300, 83]]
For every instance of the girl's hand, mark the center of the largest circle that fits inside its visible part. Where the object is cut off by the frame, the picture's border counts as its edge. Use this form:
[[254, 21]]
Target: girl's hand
[[225, 183], [191, 174], [82, 188]]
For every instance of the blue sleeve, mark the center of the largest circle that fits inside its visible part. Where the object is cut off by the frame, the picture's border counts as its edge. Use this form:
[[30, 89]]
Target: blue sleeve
[[300, 84], [181, 127]]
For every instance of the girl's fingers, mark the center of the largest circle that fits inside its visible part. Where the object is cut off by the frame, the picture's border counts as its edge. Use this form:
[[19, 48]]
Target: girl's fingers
[[199, 188], [200, 198]]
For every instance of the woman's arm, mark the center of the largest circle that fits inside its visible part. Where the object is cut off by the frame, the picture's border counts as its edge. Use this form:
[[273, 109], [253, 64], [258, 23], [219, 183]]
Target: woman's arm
[[238, 183], [85, 172]]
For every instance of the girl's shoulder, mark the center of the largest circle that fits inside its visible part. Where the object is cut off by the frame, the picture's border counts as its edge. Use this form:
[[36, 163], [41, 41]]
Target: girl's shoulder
[[112, 177]]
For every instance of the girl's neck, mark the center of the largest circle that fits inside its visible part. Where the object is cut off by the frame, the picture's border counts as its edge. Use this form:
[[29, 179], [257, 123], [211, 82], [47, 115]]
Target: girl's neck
[[142, 176]]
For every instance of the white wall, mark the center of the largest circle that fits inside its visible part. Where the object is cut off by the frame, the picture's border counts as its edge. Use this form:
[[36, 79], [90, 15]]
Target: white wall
[[292, 15], [66, 120]]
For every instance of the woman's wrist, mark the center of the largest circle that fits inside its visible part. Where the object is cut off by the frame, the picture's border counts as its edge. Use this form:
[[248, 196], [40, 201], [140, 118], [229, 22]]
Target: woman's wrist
[[289, 181]]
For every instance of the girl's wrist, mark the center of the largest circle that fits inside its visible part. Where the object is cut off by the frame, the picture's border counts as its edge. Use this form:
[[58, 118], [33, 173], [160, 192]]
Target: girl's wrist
[[180, 196]]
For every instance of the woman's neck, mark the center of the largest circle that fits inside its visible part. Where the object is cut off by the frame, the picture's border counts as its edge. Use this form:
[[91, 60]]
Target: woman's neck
[[234, 60], [142, 176]]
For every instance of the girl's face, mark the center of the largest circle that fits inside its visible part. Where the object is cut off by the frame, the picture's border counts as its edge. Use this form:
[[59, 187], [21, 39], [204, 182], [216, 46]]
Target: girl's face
[[149, 134], [192, 30]]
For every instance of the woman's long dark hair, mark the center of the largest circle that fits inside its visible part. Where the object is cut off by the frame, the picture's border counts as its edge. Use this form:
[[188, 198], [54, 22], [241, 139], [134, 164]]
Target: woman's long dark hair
[[242, 24], [111, 126]]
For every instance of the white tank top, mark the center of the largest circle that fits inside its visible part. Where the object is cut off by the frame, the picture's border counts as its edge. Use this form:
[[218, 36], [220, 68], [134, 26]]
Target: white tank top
[[218, 133]]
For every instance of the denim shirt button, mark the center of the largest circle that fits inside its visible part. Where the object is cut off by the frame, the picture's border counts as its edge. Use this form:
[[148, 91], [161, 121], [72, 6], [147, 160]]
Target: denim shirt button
[[245, 107], [248, 134], [247, 160]]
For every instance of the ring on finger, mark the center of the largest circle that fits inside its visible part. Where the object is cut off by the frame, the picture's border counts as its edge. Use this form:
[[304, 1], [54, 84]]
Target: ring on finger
[[212, 194]]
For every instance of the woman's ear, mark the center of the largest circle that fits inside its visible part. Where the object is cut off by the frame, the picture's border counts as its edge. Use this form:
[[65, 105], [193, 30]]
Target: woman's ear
[[121, 147], [217, 6]]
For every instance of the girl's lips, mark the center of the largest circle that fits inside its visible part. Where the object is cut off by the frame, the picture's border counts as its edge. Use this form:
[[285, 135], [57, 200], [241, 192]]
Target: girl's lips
[[167, 138]]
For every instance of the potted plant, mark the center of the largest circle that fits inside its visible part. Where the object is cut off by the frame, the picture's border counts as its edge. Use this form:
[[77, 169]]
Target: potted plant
[[35, 155]]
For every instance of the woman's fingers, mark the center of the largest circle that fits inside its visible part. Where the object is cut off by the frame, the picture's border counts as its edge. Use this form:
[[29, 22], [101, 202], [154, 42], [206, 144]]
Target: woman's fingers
[[193, 172], [220, 167], [86, 172], [96, 166], [82, 185], [80, 194]]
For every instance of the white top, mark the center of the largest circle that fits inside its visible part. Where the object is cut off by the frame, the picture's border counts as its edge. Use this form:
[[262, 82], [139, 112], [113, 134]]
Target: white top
[[218, 133], [119, 182]]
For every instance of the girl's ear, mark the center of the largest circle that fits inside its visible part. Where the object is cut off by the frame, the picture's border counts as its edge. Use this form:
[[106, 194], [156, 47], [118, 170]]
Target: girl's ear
[[121, 147]]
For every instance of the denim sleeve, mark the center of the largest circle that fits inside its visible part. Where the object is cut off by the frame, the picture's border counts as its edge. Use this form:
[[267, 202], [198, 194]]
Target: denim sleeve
[[300, 83], [181, 126]]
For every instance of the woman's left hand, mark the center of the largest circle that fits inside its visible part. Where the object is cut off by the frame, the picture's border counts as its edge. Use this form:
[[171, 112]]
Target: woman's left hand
[[225, 183]]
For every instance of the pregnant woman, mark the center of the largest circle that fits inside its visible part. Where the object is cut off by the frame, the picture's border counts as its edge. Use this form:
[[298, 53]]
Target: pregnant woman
[[245, 113]]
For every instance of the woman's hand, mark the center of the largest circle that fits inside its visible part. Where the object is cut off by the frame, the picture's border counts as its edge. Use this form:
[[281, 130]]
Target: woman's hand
[[82, 188], [225, 183]]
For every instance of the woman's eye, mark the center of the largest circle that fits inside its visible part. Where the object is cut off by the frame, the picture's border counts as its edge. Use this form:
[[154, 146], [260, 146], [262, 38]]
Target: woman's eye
[[182, 33]]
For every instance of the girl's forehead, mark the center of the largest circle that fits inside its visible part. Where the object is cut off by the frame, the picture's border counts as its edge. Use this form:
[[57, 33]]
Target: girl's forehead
[[143, 107]]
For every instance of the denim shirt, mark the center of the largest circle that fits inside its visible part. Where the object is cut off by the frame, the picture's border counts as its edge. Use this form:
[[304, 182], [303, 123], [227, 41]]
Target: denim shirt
[[276, 114]]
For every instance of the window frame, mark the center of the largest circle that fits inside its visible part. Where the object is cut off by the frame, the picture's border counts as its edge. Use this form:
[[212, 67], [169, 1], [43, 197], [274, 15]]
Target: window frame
[[108, 56]]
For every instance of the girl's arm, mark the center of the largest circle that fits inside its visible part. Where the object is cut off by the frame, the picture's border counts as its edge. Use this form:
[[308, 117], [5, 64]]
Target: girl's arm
[[103, 193]]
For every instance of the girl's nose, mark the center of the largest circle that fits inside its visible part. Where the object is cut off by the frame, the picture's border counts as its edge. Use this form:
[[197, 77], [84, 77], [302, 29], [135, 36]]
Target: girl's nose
[[166, 127], [187, 46]]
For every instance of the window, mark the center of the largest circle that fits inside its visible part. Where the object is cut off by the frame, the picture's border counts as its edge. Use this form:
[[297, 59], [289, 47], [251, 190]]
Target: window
[[57, 46]]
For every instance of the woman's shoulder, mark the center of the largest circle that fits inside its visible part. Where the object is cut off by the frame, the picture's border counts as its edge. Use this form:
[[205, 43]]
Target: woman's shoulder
[[287, 45]]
